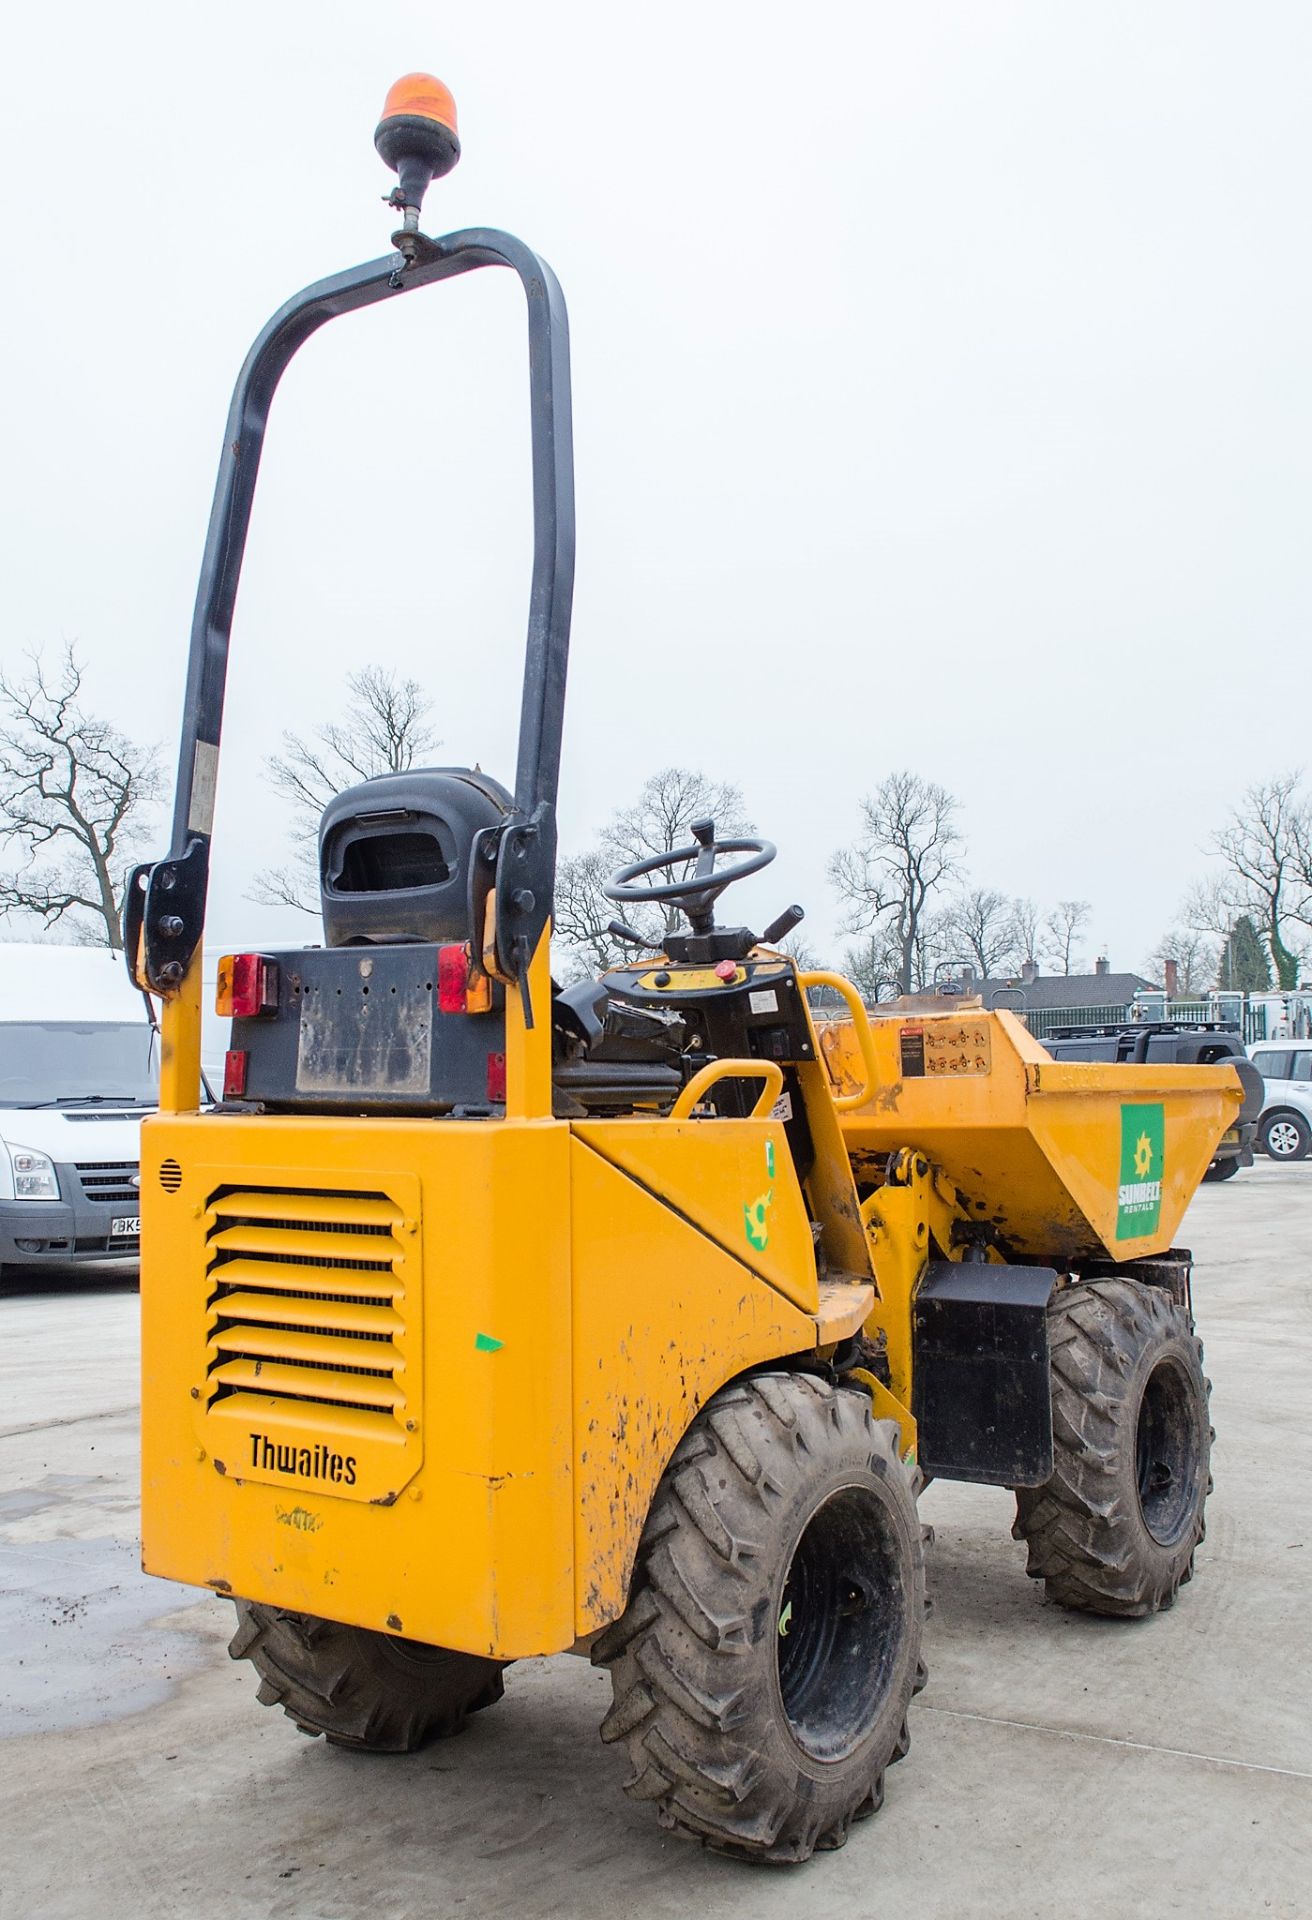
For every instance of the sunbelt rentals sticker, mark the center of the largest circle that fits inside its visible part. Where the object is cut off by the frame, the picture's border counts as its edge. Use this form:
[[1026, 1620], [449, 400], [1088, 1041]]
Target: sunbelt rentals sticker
[[1143, 1153]]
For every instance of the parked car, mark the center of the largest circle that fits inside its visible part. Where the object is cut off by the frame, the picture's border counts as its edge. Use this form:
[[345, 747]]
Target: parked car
[[79, 1068], [1285, 1127], [1169, 1043]]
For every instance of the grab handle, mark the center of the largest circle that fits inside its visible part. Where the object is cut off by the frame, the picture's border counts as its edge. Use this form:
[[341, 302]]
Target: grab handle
[[715, 1070], [865, 1037]]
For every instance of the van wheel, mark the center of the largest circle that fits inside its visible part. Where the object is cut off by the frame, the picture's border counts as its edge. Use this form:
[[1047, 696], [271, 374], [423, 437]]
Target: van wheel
[[764, 1666], [358, 1688], [1285, 1136], [1115, 1528]]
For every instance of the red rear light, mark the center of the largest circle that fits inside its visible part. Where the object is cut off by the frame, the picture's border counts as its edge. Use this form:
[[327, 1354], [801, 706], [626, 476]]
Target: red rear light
[[496, 1077], [235, 1063], [248, 986], [452, 978]]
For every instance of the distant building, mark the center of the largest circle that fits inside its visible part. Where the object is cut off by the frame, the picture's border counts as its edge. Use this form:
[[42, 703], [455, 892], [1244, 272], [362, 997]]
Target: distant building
[[1048, 1000]]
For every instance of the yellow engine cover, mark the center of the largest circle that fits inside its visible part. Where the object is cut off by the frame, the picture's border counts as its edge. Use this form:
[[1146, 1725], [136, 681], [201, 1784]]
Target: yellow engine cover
[[424, 1376]]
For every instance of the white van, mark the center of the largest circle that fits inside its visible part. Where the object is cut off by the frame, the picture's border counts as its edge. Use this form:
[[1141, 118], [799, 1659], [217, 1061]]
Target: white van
[[79, 1067]]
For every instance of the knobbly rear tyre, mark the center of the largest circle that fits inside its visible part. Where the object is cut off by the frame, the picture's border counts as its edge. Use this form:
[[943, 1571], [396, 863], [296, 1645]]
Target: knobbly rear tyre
[[764, 1666], [1115, 1529], [361, 1689]]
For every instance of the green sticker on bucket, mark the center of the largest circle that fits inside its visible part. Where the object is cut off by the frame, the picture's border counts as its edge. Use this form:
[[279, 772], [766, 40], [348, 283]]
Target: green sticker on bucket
[[1143, 1156]]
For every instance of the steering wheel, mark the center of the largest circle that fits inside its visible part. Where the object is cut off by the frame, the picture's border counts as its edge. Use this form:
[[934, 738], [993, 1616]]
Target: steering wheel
[[698, 892]]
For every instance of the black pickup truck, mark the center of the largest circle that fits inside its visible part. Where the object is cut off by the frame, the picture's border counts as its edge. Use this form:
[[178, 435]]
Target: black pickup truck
[[1165, 1043]]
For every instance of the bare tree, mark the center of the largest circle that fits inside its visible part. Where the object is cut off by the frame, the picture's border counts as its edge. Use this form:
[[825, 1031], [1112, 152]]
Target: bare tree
[[904, 854], [982, 925], [1025, 923], [1195, 958], [938, 951], [871, 967], [803, 955], [1300, 845], [384, 729], [665, 809], [1062, 928], [75, 795], [583, 914], [660, 817], [1210, 907], [1265, 846]]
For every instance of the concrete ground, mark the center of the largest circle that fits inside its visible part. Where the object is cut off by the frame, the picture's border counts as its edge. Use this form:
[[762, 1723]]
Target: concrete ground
[[1059, 1764]]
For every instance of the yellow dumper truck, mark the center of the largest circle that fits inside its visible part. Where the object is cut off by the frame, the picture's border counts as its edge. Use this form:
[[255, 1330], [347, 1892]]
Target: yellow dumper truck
[[484, 1319]]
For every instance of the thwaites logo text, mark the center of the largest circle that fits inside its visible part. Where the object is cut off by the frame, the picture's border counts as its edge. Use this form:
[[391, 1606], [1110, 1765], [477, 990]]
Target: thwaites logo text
[[302, 1463], [1143, 1155]]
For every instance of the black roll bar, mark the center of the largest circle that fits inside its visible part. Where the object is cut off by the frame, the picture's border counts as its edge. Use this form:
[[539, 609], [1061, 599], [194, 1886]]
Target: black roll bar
[[169, 897]]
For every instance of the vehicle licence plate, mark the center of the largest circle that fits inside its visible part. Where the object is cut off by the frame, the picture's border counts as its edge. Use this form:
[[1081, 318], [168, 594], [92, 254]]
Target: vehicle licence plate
[[129, 1224]]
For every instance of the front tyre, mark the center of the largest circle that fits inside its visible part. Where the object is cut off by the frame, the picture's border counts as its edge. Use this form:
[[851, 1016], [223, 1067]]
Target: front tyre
[[764, 1666], [372, 1691], [1115, 1529]]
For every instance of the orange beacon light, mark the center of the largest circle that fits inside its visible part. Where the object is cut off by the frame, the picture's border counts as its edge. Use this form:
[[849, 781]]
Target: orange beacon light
[[417, 138]]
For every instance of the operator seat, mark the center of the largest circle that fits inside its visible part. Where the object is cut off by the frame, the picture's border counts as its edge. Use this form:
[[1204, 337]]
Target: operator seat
[[395, 855], [610, 1056]]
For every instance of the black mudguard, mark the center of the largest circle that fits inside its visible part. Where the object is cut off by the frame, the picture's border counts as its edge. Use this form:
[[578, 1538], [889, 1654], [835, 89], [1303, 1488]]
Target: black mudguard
[[981, 1392]]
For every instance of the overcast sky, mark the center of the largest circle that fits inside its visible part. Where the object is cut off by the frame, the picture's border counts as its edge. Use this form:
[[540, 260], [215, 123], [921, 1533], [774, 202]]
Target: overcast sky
[[942, 401]]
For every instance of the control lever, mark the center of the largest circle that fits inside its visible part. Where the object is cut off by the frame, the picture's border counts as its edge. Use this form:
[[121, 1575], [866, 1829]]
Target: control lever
[[703, 832], [521, 956], [620, 932], [783, 924]]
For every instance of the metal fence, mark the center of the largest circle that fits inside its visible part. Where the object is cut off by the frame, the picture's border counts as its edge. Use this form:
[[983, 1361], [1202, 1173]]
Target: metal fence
[[1249, 1020], [1042, 1021], [1222, 1008]]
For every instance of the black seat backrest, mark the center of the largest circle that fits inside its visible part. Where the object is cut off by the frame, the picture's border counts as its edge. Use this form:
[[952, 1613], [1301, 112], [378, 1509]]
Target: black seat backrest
[[395, 853]]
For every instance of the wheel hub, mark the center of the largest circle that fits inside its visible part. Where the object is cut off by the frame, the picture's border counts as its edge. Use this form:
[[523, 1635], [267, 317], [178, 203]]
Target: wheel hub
[[839, 1624], [1166, 1453]]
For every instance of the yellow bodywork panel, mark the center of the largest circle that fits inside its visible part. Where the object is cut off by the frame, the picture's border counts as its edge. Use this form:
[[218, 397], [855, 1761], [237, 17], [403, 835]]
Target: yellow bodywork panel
[[415, 1475], [424, 1376], [897, 1224], [734, 1180], [1063, 1159], [829, 1184], [662, 1317], [179, 1052]]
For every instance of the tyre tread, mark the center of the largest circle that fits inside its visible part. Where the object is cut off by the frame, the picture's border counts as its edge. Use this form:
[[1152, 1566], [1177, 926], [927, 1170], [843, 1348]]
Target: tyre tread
[[682, 1707], [320, 1673], [1083, 1537]]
